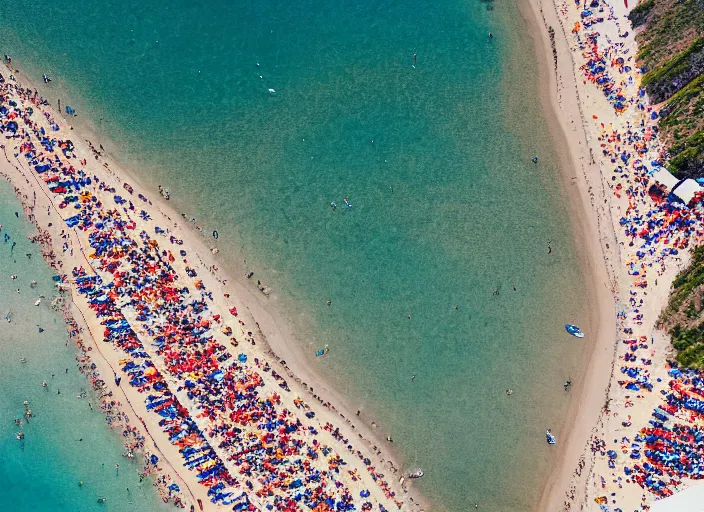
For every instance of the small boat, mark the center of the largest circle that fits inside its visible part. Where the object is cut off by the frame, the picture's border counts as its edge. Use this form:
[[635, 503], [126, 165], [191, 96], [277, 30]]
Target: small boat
[[549, 437], [574, 331], [418, 473], [322, 351]]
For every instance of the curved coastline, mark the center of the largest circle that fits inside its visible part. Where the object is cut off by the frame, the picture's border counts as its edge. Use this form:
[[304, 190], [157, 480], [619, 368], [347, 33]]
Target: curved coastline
[[272, 339], [591, 218], [581, 178], [588, 475]]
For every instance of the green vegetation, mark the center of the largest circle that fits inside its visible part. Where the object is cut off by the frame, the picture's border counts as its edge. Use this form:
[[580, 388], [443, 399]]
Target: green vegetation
[[640, 13], [677, 65], [687, 156], [688, 281], [689, 344], [686, 108], [683, 313], [671, 51], [666, 80], [669, 27]]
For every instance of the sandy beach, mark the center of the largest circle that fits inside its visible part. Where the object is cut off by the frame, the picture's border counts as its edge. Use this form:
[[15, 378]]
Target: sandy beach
[[370, 477], [587, 123], [227, 412]]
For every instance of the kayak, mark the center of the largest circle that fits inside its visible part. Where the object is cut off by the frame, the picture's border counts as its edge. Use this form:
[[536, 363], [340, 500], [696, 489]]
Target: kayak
[[322, 351], [574, 331], [549, 437]]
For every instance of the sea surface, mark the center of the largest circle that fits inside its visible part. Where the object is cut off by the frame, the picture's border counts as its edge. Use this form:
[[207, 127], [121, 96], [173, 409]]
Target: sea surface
[[451, 223], [65, 441]]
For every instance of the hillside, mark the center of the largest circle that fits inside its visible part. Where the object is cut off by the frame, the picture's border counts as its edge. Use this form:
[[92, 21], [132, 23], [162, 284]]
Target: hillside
[[671, 53]]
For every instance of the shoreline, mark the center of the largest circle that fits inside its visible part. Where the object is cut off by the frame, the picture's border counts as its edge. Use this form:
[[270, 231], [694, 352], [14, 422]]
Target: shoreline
[[79, 332], [588, 397], [622, 130], [273, 331], [266, 325]]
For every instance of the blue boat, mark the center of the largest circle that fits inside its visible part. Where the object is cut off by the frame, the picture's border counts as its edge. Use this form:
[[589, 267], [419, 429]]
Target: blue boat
[[549, 437], [574, 331]]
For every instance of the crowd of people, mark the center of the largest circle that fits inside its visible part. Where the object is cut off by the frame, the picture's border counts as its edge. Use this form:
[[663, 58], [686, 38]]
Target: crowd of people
[[655, 226], [224, 412]]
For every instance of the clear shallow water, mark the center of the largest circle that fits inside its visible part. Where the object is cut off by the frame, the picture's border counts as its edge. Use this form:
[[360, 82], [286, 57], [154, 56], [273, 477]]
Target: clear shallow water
[[447, 206], [43, 472]]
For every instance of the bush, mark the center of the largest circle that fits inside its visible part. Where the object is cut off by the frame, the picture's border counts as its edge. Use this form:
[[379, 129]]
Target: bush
[[640, 13]]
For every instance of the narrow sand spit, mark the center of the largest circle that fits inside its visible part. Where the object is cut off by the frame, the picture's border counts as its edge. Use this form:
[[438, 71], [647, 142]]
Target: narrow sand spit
[[318, 435]]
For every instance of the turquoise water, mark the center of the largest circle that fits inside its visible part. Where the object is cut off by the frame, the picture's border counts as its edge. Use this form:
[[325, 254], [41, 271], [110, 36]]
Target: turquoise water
[[65, 442], [447, 205]]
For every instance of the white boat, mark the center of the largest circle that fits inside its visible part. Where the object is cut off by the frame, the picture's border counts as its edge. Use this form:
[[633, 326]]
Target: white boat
[[418, 473]]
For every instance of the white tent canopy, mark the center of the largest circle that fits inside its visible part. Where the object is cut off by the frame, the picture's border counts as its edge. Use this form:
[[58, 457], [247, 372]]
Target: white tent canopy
[[664, 178], [689, 500], [687, 189]]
